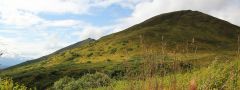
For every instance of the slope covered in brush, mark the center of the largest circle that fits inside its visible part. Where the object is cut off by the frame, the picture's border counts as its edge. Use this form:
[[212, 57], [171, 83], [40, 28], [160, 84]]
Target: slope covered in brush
[[178, 31]]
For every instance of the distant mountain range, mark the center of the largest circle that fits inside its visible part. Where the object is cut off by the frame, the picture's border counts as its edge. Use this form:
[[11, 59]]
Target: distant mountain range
[[176, 31], [10, 61]]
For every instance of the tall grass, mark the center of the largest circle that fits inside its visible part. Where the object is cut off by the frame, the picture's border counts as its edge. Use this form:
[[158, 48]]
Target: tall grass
[[217, 76]]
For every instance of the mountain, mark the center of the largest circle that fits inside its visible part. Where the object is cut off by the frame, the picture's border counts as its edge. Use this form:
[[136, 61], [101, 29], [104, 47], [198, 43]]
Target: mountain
[[8, 58], [78, 44], [10, 61], [2, 67], [182, 32]]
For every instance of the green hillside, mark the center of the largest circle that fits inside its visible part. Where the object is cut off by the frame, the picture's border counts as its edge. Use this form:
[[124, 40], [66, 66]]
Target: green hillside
[[190, 38]]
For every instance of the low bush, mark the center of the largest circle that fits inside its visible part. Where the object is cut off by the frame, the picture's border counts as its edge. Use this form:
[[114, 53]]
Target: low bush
[[109, 60], [113, 50], [90, 54], [62, 83], [89, 62], [85, 82], [8, 84], [94, 80]]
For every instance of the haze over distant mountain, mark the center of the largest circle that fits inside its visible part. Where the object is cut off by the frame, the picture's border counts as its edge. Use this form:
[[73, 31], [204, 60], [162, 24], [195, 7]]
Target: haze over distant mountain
[[177, 29], [73, 46], [9, 59]]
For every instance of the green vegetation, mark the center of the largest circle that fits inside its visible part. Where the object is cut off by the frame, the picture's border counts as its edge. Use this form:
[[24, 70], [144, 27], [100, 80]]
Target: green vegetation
[[85, 82], [8, 84], [64, 84], [217, 76], [167, 51]]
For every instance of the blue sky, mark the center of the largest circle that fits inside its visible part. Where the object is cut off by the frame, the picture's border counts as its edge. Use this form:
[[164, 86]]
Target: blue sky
[[98, 16], [34, 28]]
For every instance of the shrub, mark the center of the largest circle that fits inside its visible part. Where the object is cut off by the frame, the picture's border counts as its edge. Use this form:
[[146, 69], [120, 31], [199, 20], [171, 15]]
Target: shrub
[[62, 83], [90, 54], [8, 84], [108, 60], [73, 86], [83, 83], [89, 62], [124, 42], [94, 80], [129, 49], [113, 51]]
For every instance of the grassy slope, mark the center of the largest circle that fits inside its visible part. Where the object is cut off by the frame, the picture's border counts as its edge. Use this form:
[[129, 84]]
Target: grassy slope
[[217, 76], [177, 28]]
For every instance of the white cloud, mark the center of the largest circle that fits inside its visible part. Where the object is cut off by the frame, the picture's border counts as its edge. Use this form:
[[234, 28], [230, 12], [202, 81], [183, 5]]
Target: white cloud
[[18, 46], [54, 6], [25, 13], [64, 23], [68, 23], [19, 18], [90, 31]]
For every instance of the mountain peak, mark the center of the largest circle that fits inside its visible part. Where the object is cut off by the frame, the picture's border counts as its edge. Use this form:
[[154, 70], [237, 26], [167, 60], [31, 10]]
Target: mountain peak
[[174, 17], [185, 18]]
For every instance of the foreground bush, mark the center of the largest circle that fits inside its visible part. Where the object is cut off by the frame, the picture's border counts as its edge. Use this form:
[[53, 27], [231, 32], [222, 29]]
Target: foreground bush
[[85, 82], [94, 80], [63, 82], [8, 84]]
